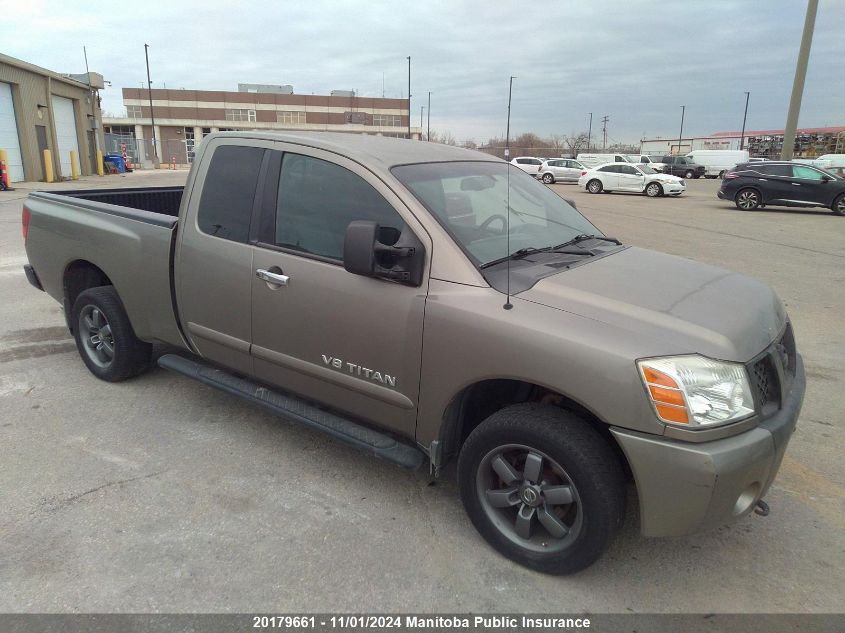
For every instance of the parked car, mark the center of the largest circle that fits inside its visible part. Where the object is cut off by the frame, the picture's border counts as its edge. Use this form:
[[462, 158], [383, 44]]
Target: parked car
[[528, 164], [560, 169], [628, 177], [786, 184], [643, 159], [836, 171], [594, 160], [374, 289], [682, 166], [718, 162]]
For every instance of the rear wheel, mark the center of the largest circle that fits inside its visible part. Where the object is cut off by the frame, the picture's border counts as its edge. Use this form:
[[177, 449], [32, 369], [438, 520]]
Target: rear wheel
[[838, 205], [594, 186], [747, 199], [653, 190], [722, 175], [105, 338], [542, 487], [548, 179]]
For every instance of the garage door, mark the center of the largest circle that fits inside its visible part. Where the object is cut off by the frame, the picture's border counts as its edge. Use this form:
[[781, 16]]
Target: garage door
[[9, 133], [65, 132]]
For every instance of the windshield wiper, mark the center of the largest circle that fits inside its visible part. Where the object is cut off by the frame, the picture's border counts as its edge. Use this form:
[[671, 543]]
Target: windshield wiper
[[583, 237], [522, 252]]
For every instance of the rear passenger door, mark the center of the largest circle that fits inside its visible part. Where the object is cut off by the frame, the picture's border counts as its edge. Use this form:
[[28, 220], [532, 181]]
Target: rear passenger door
[[349, 342]]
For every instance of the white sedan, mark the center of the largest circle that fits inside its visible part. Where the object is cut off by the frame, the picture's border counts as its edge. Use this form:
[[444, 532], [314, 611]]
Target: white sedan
[[626, 177]]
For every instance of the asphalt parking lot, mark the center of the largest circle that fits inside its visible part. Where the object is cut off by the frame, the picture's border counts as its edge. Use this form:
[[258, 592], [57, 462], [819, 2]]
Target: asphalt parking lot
[[160, 494]]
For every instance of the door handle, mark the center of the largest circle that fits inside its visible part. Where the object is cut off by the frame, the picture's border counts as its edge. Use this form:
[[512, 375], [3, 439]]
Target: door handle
[[272, 278], [796, 184]]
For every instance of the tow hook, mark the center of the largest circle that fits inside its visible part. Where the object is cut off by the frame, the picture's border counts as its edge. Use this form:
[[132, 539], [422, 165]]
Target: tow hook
[[761, 508]]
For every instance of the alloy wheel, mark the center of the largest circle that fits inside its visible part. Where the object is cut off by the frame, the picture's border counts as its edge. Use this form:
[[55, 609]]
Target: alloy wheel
[[747, 200], [96, 335], [529, 497]]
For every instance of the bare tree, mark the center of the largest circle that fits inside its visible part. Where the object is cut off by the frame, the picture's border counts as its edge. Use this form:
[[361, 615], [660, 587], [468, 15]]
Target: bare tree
[[577, 142]]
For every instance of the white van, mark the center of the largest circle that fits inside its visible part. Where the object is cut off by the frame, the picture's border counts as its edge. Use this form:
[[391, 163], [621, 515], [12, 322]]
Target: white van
[[643, 159], [591, 160], [718, 161], [832, 160]]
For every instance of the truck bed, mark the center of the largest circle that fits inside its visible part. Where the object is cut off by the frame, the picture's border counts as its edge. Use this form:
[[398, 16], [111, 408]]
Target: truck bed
[[128, 234]]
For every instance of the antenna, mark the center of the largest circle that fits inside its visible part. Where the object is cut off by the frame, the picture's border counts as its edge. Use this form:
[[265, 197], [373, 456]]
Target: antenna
[[508, 305]]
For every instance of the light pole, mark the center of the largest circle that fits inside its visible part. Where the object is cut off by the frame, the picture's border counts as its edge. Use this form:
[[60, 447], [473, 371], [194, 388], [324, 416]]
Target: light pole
[[409, 97], [422, 111], [590, 133], [681, 135], [798, 84], [152, 115], [428, 131], [744, 116]]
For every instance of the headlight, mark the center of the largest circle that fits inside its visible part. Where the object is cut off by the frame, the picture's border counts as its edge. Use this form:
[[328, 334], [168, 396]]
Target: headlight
[[696, 391]]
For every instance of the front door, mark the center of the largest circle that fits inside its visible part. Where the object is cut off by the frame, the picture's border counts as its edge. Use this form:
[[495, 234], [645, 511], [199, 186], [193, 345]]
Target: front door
[[630, 178], [810, 185], [349, 342]]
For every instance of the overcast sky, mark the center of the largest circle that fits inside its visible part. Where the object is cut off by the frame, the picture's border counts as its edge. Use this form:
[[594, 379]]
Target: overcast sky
[[636, 61]]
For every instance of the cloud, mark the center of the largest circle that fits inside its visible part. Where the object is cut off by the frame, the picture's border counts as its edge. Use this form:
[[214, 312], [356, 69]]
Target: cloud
[[636, 62]]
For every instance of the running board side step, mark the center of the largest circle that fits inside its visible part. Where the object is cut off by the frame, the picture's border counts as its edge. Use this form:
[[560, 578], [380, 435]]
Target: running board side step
[[373, 442]]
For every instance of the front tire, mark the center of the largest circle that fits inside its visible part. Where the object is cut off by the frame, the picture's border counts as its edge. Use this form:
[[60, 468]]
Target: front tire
[[105, 338], [838, 206], [653, 190], [594, 186], [747, 199], [542, 487], [548, 179], [689, 174]]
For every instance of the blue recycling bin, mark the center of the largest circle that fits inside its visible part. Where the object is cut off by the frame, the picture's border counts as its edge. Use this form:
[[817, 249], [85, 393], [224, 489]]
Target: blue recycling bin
[[118, 161]]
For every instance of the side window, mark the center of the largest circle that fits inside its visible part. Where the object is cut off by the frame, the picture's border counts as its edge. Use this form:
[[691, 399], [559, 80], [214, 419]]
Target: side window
[[229, 192], [777, 170], [522, 161], [317, 201], [610, 168], [535, 161], [799, 171]]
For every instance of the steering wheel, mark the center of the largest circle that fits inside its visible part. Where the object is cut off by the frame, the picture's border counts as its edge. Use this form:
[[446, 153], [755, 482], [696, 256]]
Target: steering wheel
[[484, 225]]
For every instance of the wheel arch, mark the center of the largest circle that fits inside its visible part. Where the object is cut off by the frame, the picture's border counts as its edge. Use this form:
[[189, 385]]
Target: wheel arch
[[80, 275], [476, 402], [752, 187]]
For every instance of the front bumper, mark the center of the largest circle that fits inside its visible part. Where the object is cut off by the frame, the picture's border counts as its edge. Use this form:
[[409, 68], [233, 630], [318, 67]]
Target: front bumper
[[686, 487]]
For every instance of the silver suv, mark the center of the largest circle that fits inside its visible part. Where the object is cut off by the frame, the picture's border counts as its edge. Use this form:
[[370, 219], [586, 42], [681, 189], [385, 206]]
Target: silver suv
[[563, 169]]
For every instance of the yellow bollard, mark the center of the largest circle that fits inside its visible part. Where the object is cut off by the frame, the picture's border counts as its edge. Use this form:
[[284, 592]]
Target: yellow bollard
[[100, 168], [74, 166], [4, 158], [48, 166]]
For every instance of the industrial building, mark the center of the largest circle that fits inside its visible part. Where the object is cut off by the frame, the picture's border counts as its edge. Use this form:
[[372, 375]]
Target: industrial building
[[809, 142], [183, 117], [41, 109]]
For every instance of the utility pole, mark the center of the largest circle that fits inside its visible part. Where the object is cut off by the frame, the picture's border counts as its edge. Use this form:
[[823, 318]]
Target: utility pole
[[428, 131], [681, 135], [604, 121], [508, 131], [422, 112], [152, 114], [744, 116], [409, 97], [798, 84], [590, 134]]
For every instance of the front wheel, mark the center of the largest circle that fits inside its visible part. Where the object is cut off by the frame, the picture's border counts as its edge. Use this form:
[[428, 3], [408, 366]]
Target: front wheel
[[542, 487], [653, 190], [747, 199], [548, 179], [689, 174], [594, 186], [105, 338], [838, 205]]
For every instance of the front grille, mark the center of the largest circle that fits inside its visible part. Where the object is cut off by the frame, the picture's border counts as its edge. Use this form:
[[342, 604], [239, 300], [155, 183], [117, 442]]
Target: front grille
[[764, 374]]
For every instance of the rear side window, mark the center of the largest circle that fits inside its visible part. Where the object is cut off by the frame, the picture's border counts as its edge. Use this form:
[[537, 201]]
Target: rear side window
[[317, 201], [775, 170], [610, 168], [229, 192]]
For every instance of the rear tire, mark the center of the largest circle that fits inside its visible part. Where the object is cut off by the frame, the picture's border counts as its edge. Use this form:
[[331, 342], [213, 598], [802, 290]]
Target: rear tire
[[747, 199], [594, 186], [542, 487], [722, 175], [105, 338], [838, 205], [548, 179], [653, 190]]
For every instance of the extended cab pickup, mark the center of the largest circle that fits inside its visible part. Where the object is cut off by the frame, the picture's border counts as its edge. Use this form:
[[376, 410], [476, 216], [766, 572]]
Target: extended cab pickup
[[424, 302]]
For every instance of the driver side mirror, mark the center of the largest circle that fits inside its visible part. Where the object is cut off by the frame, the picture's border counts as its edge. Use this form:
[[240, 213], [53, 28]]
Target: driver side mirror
[[826, 178], [365, 255]]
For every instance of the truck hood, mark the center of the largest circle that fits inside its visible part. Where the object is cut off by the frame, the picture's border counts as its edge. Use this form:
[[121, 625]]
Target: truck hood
[[683, 305]]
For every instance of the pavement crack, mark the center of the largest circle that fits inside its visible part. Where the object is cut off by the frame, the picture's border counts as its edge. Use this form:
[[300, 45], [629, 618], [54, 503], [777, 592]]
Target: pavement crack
[[53, 506]]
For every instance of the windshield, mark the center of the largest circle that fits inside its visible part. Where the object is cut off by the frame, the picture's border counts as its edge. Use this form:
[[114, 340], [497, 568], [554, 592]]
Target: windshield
[[647, 170], [470, 199]]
